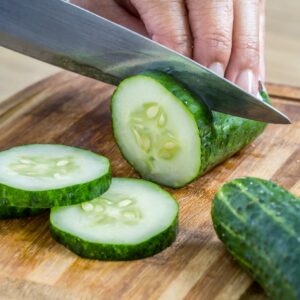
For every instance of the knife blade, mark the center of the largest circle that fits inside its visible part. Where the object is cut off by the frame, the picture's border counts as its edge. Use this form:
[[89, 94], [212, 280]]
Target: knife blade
[[70, 37]]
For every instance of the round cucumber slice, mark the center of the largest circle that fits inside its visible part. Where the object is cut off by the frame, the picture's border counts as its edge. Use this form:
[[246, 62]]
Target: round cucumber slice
[[43, 175], [12, 212], [156, 132], [132, 220]]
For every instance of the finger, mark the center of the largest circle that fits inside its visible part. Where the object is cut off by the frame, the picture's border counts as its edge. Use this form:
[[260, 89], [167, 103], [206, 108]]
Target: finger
[[109, 9], [166, 23], [211, 24], [243, 67], [128, 6], [262, 67]]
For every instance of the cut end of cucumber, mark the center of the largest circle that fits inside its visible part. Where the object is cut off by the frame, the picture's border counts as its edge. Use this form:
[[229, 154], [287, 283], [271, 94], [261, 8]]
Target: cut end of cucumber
[[133, 219], [153, 128], [46, 167]]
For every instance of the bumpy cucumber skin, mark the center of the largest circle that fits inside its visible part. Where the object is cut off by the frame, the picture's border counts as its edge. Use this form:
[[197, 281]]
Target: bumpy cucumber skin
[[221, 135], [112, 252], [12, 212], [259, 223], [75, 194]]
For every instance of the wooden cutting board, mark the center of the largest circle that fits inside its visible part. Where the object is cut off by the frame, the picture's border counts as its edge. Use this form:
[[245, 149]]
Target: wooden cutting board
[[73, 110]]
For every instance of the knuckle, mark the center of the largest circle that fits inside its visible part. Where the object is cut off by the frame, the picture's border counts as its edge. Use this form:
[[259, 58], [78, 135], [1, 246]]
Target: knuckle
[[218, 43], [249, 48], [183, 44], [208, 7], [179, 41]]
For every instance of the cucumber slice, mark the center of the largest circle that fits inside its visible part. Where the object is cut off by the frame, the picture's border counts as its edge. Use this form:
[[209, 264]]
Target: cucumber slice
[[168, 135], [12, 212], [156, 133], [132, 220], [42, 176]]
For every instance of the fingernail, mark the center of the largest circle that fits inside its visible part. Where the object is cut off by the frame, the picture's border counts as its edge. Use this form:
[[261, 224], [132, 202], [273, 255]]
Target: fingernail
[[246, 80], [217, 68]]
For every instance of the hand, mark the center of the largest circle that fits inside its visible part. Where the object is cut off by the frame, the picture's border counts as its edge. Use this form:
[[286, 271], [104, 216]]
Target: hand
[[226, 36]]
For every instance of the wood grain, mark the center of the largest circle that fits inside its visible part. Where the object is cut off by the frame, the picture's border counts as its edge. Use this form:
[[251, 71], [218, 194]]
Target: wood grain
[[74, 110]]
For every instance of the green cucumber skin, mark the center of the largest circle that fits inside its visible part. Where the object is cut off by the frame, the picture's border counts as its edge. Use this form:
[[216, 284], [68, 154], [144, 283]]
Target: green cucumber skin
[[109, 252], [221, 135], [75, 194], [12, 212], [259, 223]]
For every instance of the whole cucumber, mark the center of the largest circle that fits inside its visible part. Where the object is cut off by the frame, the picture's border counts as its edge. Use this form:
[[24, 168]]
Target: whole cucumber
[[259, 223]]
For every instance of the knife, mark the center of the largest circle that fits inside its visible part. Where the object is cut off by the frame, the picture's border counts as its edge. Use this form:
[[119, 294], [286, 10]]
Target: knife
[[70, 37]]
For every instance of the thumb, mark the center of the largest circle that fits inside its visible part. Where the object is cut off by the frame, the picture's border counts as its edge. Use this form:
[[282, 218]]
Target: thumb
[[166, 22]]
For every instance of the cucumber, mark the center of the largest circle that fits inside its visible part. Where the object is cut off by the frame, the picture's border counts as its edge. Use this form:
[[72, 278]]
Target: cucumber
[[12, 212], [41, 176], [259, 222], [133, 219], [168, 135]]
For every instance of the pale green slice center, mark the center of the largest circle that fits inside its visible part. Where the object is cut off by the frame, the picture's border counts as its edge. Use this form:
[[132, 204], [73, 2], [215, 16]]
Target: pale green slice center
[[112, 209], [148, 124], [41, 167]]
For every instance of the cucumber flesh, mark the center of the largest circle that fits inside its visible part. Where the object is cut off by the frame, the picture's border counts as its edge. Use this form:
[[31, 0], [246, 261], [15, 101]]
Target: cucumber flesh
[[156, 132], [44, 167], [168, 135], [12, 212], [49, 175], [132, 220]]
